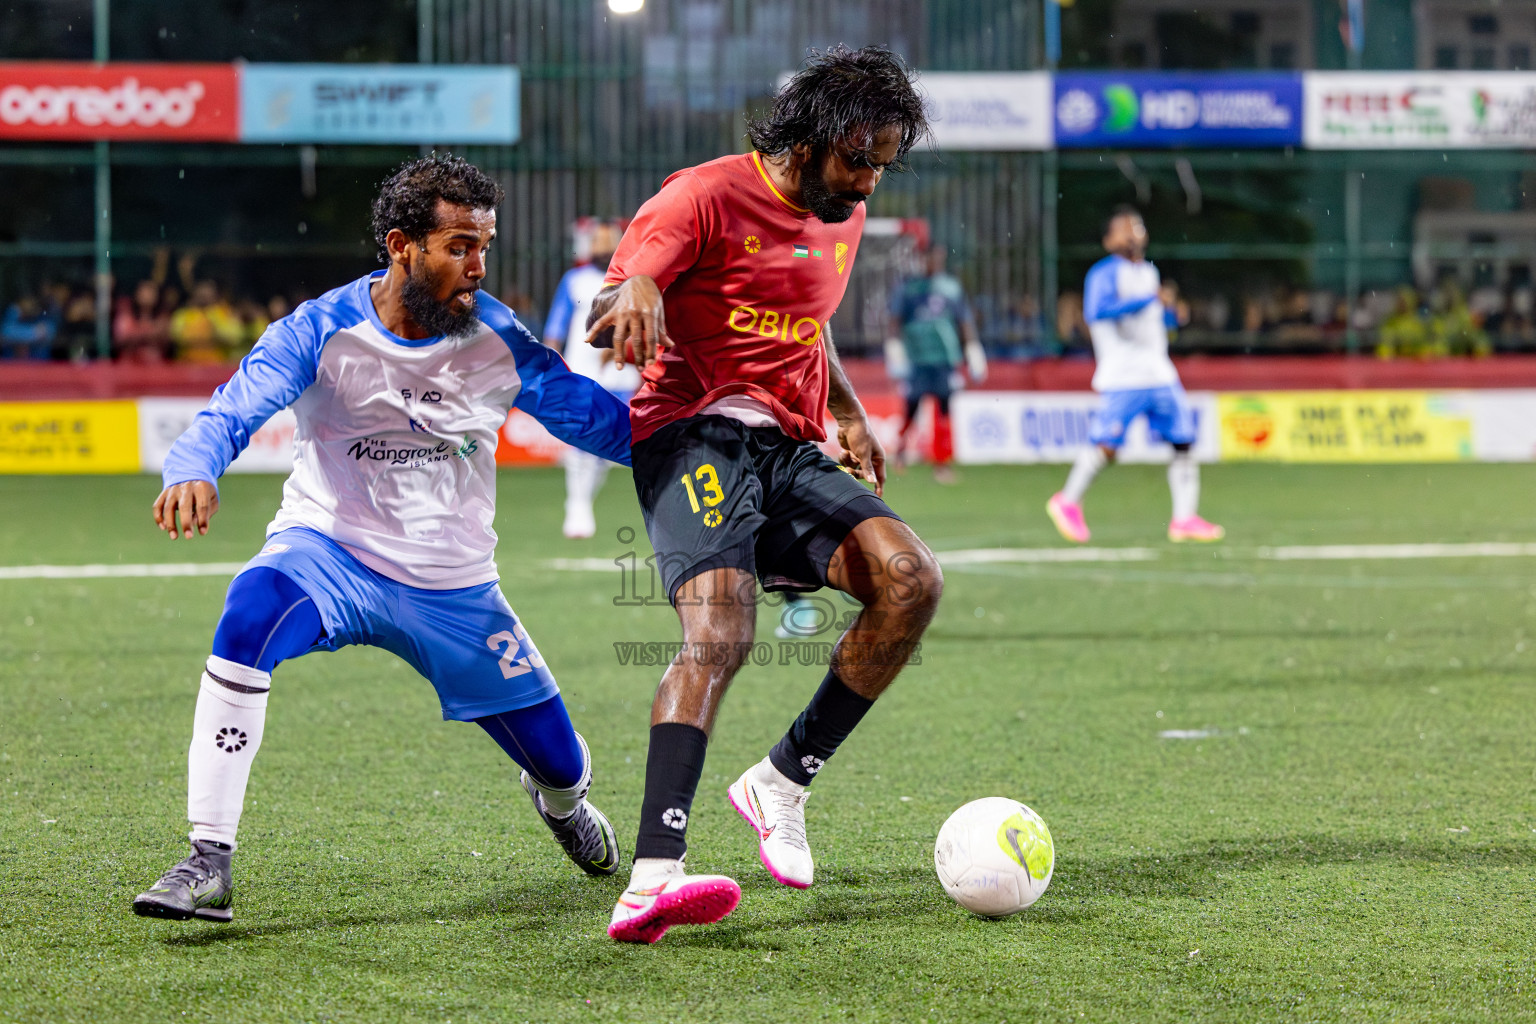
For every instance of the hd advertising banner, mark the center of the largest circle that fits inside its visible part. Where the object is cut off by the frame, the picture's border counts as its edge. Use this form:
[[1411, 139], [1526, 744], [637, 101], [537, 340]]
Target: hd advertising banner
[[363, 103], [1420, 110], [1169, 110], [78, 101]]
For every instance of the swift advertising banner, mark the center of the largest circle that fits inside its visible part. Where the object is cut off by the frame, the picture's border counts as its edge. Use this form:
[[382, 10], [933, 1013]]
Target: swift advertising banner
[[986, 110], [1420, 110], [360, 103], [1165, 110], [77, 101]]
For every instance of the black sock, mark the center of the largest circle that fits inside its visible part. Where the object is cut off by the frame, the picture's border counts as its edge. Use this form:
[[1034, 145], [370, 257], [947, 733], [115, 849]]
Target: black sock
[[819, 731], [672, 769]]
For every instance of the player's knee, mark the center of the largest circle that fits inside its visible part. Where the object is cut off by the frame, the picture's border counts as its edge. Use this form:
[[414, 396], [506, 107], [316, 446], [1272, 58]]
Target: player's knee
[[1109, 453], [1183, 449], [262, 623], [917, 586]]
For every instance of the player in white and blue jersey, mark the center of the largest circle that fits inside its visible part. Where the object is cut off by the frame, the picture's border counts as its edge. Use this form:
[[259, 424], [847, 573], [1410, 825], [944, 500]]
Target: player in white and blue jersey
[[566, 329], [1125, 310], [400, 382]]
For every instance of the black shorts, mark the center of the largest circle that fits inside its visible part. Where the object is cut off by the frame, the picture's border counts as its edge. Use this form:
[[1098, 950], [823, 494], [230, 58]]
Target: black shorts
[[717, 493]]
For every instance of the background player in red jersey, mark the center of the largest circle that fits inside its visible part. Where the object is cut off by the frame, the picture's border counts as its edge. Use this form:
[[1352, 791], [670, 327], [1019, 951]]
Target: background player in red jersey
[[722, 290]]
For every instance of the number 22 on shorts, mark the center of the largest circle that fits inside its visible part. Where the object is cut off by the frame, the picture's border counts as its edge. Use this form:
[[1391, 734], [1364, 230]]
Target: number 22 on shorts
[[709, 485], [515, 641]]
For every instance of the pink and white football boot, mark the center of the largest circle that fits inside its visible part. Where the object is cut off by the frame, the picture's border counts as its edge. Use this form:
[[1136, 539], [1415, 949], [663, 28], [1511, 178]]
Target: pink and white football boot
[[1196, 529], [660, 899], [1068, 517], [775, 807]]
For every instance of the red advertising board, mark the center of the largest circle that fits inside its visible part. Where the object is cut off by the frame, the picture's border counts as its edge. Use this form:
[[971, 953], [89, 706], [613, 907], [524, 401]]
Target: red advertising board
[[67, 100]]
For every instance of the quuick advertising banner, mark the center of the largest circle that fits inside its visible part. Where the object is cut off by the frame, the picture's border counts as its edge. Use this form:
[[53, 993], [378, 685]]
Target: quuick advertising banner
[[1166, 110]]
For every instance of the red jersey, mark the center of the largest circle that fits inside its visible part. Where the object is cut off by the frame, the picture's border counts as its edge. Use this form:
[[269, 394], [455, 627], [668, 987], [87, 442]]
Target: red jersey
[[749, 281]]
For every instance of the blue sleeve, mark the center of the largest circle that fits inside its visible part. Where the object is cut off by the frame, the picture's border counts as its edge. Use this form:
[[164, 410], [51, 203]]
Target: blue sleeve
[[277, 370], [1101, 299], [576, 409], [558, 324]]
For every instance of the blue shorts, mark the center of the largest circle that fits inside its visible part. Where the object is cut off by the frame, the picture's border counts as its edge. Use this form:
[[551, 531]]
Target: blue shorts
[[1168, 412], [466, 642]]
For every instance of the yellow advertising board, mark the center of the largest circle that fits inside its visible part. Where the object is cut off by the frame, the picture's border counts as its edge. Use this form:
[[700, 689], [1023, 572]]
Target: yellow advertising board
[[69, 437], [1344, 426]]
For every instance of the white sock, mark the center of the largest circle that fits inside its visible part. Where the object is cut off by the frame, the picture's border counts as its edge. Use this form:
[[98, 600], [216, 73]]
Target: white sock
[[648, 871], [1184, 484], [226, 732], [1089, 461], [581, 479], [562, 803]]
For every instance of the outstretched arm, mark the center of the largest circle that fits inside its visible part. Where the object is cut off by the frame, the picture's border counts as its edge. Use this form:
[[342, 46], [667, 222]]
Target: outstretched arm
[[276, 372], [862, 451]]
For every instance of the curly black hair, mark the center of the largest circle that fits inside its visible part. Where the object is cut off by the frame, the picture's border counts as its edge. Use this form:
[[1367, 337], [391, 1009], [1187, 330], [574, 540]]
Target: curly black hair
[[408, 198], [842, 92]]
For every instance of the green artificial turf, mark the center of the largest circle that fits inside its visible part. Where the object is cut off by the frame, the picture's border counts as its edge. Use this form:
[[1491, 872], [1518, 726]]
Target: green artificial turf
[[1355, 839]]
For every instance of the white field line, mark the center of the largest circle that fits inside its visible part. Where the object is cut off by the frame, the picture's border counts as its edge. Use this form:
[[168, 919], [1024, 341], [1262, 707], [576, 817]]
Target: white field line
[[584, 564], [962, 557], [1350, 552], [101, 572], [989, 556]]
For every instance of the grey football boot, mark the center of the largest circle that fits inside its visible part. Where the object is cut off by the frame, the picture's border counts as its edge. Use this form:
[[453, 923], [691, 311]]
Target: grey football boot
[[586, 836], [199, 886]]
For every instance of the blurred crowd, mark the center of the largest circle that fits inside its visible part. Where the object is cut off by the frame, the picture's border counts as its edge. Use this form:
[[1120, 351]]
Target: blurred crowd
[[155, 322], [196, 320], [1405, 322]]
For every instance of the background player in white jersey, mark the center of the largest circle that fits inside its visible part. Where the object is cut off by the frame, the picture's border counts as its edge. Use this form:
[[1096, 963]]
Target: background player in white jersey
[[400, 381], [566, 329], [1124, 308]]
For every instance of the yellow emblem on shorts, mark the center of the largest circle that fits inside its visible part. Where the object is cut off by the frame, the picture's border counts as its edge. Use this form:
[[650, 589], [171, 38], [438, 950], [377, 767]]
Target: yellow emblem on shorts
[[840, 254]]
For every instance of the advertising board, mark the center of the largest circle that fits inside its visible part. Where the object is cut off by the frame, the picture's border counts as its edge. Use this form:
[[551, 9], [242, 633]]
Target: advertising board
[[1167, 110], [990, 110], [378, 103], [80, 101], [69, 437], [1052, 426], [1420, 110]]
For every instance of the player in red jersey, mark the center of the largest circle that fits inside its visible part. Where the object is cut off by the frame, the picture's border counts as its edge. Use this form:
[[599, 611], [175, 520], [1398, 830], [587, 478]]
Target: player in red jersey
[[722, 290]]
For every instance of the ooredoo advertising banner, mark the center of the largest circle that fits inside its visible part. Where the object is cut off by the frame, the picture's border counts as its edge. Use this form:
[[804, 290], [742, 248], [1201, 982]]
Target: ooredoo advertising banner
[[1165, 110], [1420, 110], [69, 101]]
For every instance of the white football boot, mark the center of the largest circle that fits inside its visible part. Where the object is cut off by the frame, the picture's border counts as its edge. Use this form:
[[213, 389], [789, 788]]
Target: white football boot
[[660, 895], [775, 807]]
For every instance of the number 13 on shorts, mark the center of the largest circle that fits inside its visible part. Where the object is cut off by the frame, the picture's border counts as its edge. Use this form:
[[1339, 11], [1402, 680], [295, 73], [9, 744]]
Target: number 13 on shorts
[[709, 486], [516, 641]]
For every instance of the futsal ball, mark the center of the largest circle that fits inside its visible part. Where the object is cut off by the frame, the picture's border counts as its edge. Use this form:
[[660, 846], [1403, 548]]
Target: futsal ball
[[994, 856]]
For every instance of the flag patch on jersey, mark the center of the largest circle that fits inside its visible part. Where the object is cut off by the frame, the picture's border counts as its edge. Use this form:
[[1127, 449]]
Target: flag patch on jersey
[[802, 252]]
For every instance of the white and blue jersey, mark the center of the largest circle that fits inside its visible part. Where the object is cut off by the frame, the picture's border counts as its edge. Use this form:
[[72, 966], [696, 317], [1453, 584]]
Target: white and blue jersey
[[1125, 319], [566, 328], [1130, 348], [394, 452]]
